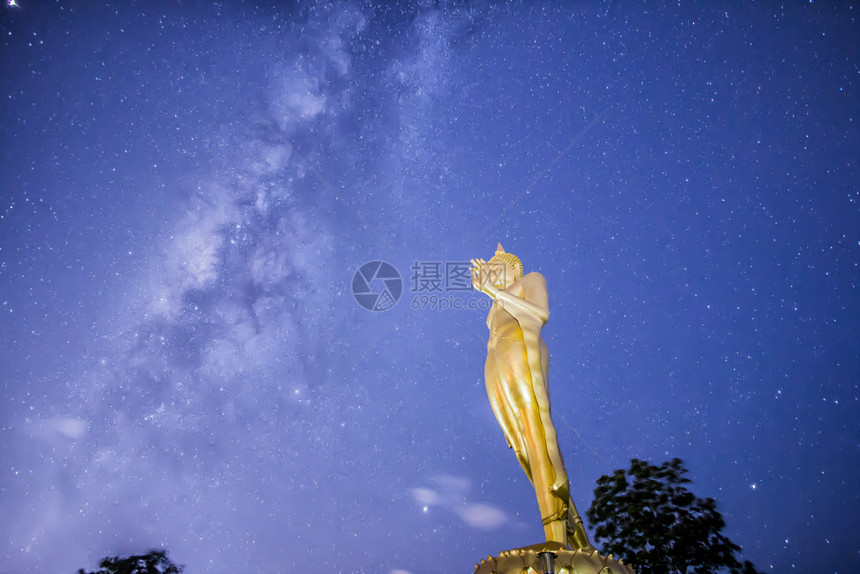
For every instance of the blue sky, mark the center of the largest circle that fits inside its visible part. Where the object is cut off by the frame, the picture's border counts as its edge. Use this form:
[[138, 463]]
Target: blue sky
[[187, 191]]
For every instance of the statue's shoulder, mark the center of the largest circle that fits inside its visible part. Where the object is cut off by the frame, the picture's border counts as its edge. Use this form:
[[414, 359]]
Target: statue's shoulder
[[533, 277], [532, 283]]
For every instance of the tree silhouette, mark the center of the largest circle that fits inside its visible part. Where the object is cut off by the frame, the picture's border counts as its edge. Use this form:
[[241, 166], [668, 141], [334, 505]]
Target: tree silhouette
[[655, 523], [154, 562]]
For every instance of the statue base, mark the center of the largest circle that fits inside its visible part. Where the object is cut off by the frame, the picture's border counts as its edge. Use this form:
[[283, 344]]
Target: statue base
[[526, 560]]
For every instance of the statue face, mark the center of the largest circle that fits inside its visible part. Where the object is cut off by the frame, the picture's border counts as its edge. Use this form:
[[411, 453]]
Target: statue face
[[507, 278]]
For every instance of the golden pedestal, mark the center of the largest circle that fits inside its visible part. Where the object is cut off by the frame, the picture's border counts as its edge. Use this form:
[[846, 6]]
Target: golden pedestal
[[527, 560]]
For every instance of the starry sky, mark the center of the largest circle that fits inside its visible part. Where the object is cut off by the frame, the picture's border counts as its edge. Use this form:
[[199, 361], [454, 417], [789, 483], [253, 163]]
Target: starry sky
[[187, 190]]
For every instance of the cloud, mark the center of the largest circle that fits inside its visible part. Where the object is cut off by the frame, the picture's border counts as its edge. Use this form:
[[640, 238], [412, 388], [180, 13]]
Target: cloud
[[425, 496], [451, 493], [482, 516], [68, 427]]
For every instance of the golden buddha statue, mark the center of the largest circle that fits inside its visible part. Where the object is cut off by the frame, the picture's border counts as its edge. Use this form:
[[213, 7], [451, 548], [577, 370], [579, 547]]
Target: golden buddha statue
[[516, 377]]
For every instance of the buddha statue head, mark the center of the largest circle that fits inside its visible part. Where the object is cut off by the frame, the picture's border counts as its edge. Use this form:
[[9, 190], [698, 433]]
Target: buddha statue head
[[512, 270]]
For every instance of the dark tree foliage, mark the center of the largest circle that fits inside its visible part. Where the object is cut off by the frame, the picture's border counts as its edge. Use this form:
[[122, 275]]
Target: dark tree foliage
[[648, 517], [154, 562]]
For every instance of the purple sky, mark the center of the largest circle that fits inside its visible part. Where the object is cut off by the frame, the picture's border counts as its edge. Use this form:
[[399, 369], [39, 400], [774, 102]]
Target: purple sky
[[186, 191]]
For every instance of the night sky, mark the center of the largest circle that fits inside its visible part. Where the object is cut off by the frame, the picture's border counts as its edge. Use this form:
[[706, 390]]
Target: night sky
[[187, 190]]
